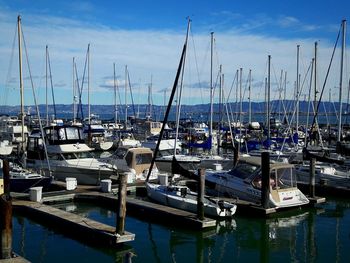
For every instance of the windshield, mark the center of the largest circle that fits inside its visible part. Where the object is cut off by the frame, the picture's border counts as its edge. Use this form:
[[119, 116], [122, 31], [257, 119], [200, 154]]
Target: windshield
[[283, 177]]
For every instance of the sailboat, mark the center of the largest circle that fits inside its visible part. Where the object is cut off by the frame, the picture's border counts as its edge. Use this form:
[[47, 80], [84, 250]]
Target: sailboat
[[21, 178], [180, 196]]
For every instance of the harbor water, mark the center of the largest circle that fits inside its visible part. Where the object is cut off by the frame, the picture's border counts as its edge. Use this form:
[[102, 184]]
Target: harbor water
[[319, 234]]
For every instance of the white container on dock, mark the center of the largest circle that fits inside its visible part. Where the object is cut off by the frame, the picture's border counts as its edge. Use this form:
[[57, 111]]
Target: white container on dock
[[35, 194], [106, 186], [71, 183], [163, 179]]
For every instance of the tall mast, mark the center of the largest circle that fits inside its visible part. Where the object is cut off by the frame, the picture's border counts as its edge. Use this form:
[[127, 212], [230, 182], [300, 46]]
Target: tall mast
[[126, 90], [47, 105], [268, 101], [315, 78], [150, 99], [297, 90], [74, 91], [21, 78], [115, 97], [178, 109], [341, 79], [211, 87], [249, 98], [240, 108], [221, 78], [89, 109]]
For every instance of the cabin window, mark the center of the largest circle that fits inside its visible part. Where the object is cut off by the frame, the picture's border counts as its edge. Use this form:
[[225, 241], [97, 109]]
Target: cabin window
[[120, 153], [61, 134], [128, 158], [69, 156], [284, 178], [55, 157], [144, 158], [81, 155], [72, 133]]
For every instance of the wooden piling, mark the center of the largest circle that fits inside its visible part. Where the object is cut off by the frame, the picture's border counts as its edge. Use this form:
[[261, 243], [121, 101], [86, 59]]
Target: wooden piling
[[265, 180], [200, 196], [312, 177], [6, 216], [121, 209]]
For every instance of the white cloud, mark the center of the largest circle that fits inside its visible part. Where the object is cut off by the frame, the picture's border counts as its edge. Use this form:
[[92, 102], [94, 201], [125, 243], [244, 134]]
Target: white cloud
[[150, 52]]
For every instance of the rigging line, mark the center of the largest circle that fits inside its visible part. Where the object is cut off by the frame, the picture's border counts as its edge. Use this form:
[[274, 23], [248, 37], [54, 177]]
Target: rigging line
[[325, 81], [132, 97], [167, 112], [36, 104], [196, 63], [79, 93], [8, 77], [82, 83], [51, 82], [232, 84]]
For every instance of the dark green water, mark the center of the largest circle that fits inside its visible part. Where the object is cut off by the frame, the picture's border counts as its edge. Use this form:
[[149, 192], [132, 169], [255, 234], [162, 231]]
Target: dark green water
[[302, 235]]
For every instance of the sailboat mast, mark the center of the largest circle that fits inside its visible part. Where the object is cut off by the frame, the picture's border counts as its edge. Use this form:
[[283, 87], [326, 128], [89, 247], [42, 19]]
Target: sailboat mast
[[115, 98], [221, 78], [89, 109], [178, 102], [211, 87], [240, 107], [249, 98], [74, 91], [297, 91], [126, 90], [341, 79], [47, 105], [21, 77], [315, 78], [268, 100]]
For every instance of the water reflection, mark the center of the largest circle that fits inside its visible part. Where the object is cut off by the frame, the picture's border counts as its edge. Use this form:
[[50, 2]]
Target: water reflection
[[304, 235]]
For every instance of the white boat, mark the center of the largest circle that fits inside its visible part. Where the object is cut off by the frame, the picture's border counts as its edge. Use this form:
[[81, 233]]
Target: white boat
[[22, 179], [134, 161], [326, 174], [95, 135], [183, 198], [68, 156], [5, 148], [244, 182]]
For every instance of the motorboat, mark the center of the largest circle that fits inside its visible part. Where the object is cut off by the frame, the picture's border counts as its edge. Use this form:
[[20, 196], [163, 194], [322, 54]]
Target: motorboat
[[244, 182], [181, 197], [325, 174], [21, 179], [68, 155], [134, 161], [95, 136]]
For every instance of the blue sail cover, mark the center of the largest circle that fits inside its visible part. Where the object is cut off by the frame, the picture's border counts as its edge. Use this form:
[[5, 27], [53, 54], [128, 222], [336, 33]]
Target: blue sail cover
[[267, 143], [253, 145], [205, 145], [295, 138]]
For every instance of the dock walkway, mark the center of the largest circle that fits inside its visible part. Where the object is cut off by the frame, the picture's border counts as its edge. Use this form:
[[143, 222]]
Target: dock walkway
[[72, 224]]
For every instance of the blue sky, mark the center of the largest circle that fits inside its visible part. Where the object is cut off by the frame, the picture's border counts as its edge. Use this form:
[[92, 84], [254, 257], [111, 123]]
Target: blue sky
[[147, 36]]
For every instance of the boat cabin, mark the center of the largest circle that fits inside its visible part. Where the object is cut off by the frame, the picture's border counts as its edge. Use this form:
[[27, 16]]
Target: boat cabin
[[54, 135], [139, 159]]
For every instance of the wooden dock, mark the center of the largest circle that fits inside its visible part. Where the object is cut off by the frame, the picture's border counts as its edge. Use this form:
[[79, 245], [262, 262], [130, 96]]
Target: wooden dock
[[14, 259], [72, 224], [139, 208]]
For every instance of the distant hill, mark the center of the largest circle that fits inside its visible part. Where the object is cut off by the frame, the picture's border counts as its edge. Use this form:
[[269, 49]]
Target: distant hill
[[107, 111]]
